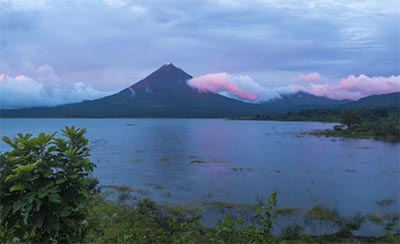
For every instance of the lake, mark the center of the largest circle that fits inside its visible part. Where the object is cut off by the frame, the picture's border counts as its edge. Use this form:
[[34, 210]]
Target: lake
[[190, 160]]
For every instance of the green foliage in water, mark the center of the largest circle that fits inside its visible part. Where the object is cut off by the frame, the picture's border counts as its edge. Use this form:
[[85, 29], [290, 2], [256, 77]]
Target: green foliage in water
[[45, 187], [322, 213]]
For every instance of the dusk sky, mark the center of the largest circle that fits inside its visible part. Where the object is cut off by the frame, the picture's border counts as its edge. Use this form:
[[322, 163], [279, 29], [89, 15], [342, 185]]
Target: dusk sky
[[54, 52]]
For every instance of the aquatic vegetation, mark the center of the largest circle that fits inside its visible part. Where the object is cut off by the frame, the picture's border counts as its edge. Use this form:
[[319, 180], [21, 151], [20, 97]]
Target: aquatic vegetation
[[164, 159], [137, 160], [124, 191], [141, 191], [275, 171], [350, 171], [287, 211], [158, 187], [385, 202], [220, 161], [117, 187], [94, 144], [228, 205], [208, 196], [242, 169], [130, 125], [197, 161], [322, 213], [375, 218], [221, 204]]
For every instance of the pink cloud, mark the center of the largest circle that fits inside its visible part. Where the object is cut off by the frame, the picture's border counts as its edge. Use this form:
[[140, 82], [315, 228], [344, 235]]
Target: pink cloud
[[310, 77], [355, 87], [235, 86], [21, 78], [46, 73]]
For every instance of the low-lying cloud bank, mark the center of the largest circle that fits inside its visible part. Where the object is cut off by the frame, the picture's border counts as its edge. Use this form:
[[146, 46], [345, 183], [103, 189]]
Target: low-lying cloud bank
[[355, 87], [246, 89], [23, 91], [240, 87]]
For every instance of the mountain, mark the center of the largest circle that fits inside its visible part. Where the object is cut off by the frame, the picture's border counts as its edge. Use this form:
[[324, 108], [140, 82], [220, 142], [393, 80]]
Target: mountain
[[382, 100], [300, 101], [165, 93]]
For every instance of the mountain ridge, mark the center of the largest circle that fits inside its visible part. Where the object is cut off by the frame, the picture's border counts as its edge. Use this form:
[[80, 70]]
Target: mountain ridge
[[165, 93]]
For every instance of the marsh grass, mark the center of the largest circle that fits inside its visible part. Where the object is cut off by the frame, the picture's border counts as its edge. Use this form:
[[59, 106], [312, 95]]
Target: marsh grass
[[375, 219], [323, 213], [288, 211], [242, 169], [385, 202], [197, 161]]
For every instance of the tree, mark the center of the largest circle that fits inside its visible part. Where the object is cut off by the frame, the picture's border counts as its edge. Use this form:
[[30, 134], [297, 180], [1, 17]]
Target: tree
[[45, 187], [350, 119]]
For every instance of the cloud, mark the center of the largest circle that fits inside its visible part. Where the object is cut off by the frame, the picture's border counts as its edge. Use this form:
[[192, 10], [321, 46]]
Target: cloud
[[234, 86], [46, 73], [246, 89], [23, 91], [251, 37], [310, 77], [355, 87]]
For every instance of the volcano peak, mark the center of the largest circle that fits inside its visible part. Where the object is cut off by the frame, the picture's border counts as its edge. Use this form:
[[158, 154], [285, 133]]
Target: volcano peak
[[166, 73]]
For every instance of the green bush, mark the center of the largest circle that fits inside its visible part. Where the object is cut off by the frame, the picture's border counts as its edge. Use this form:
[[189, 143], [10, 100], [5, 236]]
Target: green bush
[[45, 187]]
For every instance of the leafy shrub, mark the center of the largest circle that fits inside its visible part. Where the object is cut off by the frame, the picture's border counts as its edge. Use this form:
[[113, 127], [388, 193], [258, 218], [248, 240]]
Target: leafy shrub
[[45, 187], [266, 217]]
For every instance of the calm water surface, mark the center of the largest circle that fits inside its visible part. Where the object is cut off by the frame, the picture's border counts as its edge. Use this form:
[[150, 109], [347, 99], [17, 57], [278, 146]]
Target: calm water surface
[[349, 175]]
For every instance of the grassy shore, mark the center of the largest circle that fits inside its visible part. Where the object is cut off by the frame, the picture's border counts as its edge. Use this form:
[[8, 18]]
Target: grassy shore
[[148, 222]]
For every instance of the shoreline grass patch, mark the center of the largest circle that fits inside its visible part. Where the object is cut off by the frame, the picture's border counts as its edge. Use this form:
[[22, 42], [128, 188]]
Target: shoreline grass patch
[[197, 161], [242, 169], [288, 211], [323, 213]]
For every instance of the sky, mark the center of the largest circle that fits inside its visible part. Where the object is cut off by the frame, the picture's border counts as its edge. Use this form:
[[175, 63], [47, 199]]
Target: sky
[[54, 52]]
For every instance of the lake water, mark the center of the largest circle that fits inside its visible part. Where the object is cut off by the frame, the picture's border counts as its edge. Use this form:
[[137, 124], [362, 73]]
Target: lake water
[[190, 160]]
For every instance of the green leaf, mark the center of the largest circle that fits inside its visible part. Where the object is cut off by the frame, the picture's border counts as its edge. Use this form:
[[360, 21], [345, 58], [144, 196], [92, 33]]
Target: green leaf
[[31, 196], [7, 140], [18, 205], [65, 212], [54, 198], [11, 178], [74, 176], [17, 187], [38, 204], [42, 194], [60, 181], [258, 210], [24, 169]]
